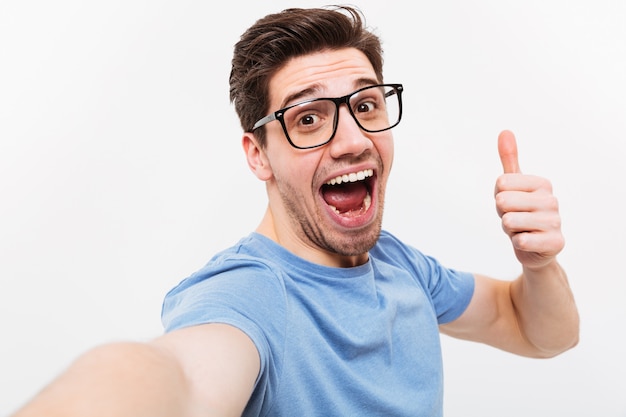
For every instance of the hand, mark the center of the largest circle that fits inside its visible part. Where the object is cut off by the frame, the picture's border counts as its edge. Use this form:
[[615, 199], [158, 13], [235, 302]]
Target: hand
[[528, 209]]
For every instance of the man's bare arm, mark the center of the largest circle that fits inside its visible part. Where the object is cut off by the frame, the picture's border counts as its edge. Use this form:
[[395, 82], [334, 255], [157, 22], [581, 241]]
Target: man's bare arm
[[535, 315], [539, 320], [206, 370]]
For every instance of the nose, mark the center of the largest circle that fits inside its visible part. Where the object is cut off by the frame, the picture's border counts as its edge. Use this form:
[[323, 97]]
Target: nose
[[349, 138]]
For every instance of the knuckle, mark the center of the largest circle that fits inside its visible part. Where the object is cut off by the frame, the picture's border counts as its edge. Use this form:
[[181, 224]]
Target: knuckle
[[501, 183], [500, 200], [553, 203], [521, 241], [556, 223], [547, 185], [508, 221]]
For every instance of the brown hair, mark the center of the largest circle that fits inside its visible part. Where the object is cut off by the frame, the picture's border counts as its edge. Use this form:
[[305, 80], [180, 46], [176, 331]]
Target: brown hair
[[275, 39]]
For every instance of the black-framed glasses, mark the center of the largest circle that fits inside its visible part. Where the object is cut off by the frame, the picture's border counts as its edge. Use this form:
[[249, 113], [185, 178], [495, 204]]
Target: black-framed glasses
[[313, 123]]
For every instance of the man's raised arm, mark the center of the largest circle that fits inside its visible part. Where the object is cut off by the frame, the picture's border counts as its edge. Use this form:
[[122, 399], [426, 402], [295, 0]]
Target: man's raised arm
[[535, 315], [206, 370]]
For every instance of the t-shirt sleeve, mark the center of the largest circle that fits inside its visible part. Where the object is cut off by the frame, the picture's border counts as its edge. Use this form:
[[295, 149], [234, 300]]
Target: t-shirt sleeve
[[243, 292], [451, 291]]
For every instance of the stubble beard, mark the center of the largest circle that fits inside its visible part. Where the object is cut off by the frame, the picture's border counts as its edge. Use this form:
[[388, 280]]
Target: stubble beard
[[309, 223]]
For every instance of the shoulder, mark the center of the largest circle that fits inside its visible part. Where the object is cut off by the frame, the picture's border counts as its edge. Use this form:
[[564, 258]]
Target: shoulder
[[238, 265], [391, 249], [237, 285]]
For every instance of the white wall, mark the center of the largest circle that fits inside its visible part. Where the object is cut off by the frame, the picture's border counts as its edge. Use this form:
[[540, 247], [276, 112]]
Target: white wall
[[121, 172]]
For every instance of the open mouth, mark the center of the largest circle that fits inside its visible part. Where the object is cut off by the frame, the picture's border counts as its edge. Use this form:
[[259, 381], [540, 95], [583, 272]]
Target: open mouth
[[349, 194]]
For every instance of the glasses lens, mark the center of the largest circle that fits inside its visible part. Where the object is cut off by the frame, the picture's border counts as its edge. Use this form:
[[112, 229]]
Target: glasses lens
[[376, 108], [311, 123]]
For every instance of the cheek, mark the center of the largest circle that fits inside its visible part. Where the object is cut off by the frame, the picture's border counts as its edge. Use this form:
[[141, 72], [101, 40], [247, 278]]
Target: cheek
[[295, 169], [385, 149], [391, 152]]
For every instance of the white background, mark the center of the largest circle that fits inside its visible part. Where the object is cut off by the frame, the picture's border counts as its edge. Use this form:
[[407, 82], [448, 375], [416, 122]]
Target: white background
[[121, 172]]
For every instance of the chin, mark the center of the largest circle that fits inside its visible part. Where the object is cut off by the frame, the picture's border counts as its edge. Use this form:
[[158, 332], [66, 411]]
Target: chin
[[356, 243]]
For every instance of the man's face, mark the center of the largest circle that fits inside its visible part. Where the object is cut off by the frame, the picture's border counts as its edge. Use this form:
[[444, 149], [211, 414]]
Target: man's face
[[333, 225]]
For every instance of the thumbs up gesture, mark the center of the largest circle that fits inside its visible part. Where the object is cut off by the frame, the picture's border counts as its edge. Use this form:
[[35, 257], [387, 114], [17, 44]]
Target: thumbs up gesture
[[528, 209]]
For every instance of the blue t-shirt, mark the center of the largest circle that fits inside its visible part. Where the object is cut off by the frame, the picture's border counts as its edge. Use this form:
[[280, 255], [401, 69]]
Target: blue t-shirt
[[361, 341]]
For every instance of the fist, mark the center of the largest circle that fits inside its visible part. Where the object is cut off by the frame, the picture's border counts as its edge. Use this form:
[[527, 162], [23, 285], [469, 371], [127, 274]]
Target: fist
[[528, 209]]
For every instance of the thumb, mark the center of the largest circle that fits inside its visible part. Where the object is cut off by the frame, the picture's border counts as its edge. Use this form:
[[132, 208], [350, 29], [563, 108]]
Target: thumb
[[507, 148]]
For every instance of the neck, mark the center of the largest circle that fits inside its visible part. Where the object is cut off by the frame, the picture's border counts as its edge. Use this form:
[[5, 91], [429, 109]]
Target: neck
[[266, 227]]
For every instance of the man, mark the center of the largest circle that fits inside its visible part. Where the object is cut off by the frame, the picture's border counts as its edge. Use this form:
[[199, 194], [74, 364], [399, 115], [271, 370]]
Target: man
[[319, 312]]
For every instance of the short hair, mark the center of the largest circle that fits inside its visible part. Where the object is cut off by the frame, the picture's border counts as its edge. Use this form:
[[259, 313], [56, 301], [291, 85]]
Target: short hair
[[275, 39]]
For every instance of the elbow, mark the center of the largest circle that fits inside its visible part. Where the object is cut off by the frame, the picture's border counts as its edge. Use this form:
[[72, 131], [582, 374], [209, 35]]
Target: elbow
[[561, 345]]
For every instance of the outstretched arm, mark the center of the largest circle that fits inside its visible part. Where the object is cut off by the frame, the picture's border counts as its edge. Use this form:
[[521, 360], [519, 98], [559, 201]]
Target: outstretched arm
[[206, 370], [534, 315]]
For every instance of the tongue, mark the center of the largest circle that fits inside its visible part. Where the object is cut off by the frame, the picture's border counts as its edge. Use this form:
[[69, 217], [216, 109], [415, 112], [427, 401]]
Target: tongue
[[345, 197]]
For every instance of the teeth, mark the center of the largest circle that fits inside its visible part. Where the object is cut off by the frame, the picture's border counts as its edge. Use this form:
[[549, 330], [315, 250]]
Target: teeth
[[367, 202], [352, 177]]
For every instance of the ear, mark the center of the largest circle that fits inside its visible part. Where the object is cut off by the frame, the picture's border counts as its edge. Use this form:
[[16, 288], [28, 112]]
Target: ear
[[257, 158]]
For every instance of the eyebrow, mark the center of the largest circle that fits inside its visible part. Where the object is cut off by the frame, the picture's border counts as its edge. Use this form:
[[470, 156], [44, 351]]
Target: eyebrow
[[317, 87]]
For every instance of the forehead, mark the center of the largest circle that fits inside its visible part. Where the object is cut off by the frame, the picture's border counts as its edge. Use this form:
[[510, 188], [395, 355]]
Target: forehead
[[324, 73]]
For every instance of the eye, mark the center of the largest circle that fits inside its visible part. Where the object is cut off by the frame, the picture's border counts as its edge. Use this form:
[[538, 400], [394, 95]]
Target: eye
[[309, 115], [365, 106], [309, 119]]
